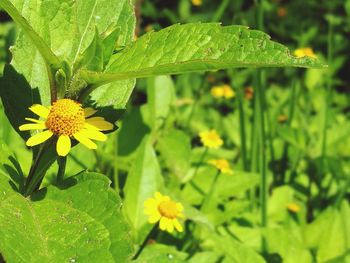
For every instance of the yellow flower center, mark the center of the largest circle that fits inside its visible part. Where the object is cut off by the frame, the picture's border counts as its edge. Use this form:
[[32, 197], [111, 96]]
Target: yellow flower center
[[168, 209], [66, 117]]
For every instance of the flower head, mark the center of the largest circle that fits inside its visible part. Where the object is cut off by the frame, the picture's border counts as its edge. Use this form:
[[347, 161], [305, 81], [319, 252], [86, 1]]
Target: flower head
[[222, 91], [222, 165], [67, 120], [161, 208], [304, 52], [197, 2], [293, 207], [211, 139]]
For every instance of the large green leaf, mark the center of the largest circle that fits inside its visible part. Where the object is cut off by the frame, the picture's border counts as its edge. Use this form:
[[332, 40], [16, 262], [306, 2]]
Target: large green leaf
[[79, 221], [196, 47], [69, 29], [143, 180]]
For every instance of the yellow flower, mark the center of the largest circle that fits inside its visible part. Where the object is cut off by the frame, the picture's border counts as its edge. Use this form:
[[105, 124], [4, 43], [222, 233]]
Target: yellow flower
[[161, 208], [222, 165], [197, 2], [217, 91], [211, 139], [228, 92], [67, 120], [304, 52], [293, 207], [222, 91]]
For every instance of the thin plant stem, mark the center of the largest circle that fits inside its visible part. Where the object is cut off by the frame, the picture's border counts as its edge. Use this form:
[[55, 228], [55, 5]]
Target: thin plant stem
[[201, 159], [220, 11], [261, 82], [144, 243], [62, 163], [329, 90], [115, 165], [209, 196], [242, 129]]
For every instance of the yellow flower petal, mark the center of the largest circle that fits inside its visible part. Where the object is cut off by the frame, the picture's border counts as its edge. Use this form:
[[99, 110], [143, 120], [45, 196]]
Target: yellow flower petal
[[158, 196], [39, 138], [100, 123], [154, 218], [177, 225], [40, 110], [179, 207], [84, 140], [34, 120], [32, 126], [63, 145], [164, 223], [89, 112], [94, 134], [170, 226]]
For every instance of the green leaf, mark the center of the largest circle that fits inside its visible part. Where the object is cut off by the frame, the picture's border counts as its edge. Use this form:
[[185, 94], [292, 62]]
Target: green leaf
[[158, 253], [160, 96], [196, 47], [40, 44], [79, 221], [175, 148], [144, 179]]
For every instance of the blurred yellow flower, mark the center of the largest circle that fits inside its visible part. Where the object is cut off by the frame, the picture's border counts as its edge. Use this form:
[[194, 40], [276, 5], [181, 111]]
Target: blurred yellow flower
[[304, 52], [293, 207], [222, 165], [67, 120], [161, 208], [217, 91], [197, 2], [211, 139], [222, 91]]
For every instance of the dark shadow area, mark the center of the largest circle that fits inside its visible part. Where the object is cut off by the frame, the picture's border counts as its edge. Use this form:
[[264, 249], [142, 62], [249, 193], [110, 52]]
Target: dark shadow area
[[16, 174], [17, 96], [132, 132]]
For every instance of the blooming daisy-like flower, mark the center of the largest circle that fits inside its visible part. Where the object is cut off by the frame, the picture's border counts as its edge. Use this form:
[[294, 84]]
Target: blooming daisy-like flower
[[161, 208], [211, 139], [305, 52], [67, 120], [222, 165]]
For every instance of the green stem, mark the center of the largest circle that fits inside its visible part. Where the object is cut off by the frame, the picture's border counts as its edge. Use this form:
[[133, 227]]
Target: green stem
[[329, 91], [262, 153], [205, 152], [43, 160], [209, 196], [220, 11], [62, 163], [115, 166], [242, 128]]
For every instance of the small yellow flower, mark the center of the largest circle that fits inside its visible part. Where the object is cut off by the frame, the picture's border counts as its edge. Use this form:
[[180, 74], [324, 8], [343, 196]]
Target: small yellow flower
[[211, 139], [293, 207], [197, 2], [228, 92], [217, 92], [161, 208], [304, 52], [222, 91], [222, 165], [67, 120]]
